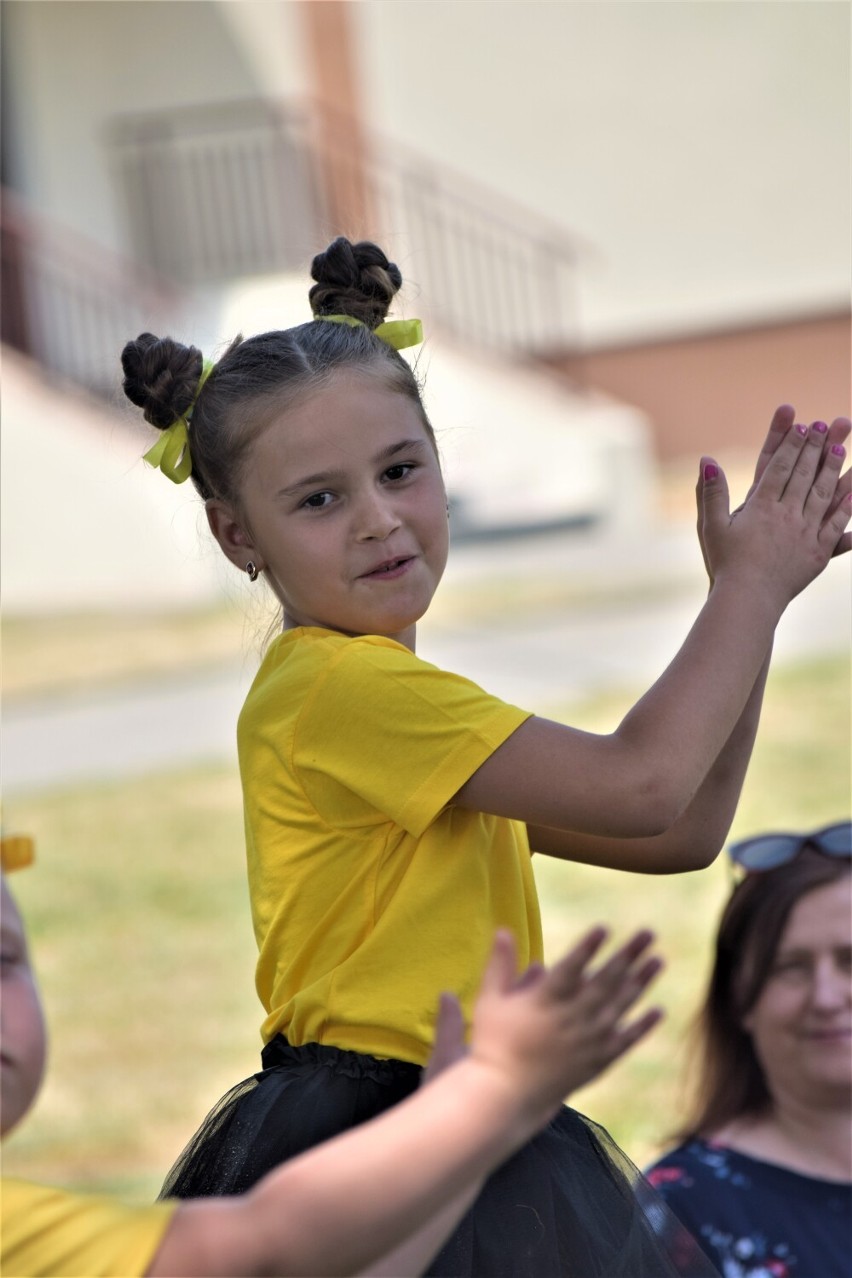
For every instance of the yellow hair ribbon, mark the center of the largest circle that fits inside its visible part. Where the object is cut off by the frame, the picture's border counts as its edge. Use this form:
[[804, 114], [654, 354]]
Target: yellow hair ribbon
[[16, 852], [171, 451], [396, 333]]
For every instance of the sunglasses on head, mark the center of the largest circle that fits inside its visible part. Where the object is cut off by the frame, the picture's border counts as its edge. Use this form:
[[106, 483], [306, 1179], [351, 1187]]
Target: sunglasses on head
[[768, 851]]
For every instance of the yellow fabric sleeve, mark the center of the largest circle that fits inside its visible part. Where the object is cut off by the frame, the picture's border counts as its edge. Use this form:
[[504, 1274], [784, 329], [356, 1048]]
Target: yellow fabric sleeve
[[49, 1233], [405, 736]]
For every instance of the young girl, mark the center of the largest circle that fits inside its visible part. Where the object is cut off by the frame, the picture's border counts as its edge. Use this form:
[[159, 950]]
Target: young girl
[[391, 807]]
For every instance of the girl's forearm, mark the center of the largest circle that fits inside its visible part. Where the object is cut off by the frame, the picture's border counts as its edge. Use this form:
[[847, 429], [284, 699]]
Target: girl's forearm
[[698, 836], [638, 781], [703, 702], [418, 1251], [702, 830]]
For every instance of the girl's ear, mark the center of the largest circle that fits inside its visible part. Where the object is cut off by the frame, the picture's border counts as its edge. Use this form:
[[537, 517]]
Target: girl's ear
[[232, 535]]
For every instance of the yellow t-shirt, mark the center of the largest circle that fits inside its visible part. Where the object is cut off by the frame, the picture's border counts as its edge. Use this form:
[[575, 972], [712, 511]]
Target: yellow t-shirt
[[370, 894], [49, 1233]]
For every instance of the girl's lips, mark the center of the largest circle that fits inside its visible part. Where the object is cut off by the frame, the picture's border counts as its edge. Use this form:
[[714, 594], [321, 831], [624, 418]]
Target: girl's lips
[[389, 569]]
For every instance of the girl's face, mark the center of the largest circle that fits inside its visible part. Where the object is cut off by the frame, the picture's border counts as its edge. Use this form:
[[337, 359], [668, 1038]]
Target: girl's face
[[801, 1024], [344, 508]]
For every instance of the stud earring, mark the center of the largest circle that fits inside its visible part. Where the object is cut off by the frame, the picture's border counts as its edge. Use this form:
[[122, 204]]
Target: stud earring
[[252, 570]]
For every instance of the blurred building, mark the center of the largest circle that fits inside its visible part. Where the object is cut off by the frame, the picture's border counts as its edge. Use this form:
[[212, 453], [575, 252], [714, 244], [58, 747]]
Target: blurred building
[[648, 200]]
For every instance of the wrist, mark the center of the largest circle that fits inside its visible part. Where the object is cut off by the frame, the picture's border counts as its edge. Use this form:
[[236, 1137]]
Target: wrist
[[523, 1109], [760, 590]]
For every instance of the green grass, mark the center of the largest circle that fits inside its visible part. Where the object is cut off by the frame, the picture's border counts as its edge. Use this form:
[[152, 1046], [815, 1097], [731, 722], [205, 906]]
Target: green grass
[[139, 920], [138, 914]]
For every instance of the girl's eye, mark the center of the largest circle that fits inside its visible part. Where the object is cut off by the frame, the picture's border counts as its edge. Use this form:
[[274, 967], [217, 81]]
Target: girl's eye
[[400, 471], [317, 501]]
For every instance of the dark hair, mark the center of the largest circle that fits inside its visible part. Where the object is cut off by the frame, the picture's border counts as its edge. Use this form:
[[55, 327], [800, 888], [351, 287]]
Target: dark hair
[[260, 377], [729, 1079]]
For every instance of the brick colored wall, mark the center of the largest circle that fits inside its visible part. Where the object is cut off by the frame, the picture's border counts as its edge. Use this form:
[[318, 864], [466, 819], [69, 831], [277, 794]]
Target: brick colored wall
[[718, 391]]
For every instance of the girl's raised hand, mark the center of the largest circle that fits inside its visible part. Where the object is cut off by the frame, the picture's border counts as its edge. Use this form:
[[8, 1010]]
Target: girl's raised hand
[[782, 420], [834, 437], [552, 1030], [793, 520]]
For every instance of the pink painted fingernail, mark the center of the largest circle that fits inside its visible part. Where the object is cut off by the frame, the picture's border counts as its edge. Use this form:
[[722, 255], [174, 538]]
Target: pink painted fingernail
[[819, 427], [800, 429], [710, 471], [838, 450]]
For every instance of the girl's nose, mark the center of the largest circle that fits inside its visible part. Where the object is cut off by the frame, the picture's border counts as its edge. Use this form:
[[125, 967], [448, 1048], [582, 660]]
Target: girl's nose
[[375, 518]]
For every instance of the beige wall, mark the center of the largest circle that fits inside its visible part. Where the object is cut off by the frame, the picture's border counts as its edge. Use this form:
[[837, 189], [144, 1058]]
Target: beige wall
[[702, 150]]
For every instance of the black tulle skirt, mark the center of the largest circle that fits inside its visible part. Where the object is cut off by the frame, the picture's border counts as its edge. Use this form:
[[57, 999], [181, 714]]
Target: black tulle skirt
[[569, 1203]]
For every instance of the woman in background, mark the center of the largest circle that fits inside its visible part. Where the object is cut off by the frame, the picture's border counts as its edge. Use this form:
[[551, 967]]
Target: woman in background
[[763, 1174]]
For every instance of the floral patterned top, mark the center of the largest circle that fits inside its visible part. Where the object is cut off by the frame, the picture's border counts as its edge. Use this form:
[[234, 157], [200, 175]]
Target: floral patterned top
[[755, 1219]]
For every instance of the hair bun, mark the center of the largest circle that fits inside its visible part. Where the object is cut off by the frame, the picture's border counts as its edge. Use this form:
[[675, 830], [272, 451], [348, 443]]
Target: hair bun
[[354, 279], [161, 377]]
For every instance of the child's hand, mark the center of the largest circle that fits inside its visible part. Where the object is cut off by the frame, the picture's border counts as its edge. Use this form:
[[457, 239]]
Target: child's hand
[[550, 1031], [793, 519], [783, 418], [834, 436]]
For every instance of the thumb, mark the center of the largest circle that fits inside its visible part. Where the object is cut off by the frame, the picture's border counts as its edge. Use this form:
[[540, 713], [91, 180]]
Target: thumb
[[502, 966], [713, 496], [448, 1046]]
